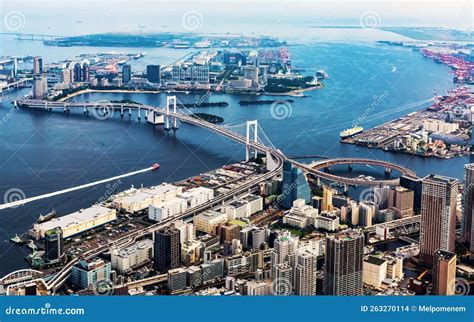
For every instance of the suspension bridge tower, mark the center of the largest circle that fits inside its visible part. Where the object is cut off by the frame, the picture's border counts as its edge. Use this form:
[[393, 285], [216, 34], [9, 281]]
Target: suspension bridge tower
[[170, 100], [252, 126]]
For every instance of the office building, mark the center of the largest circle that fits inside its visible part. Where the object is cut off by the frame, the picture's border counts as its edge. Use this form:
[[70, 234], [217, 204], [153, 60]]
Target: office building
[[153, 73], [244, 207], [295, 185], [87, 273], [228, 232], [438, 216], [187, 232], [126, 73], [414, 184], [124, 260], [194, 276], [326, 204], [209, 221], [374, 271], [444, 273], [53, 245], [177, 279], [162, 210], [40, 86], [85, 72], [305, 272], [282, 279], [37, 65], [468, 207], [258, 288], [367, 212], [343, 264], [167, 249], [401, 200], [212, 270], [77, 73]]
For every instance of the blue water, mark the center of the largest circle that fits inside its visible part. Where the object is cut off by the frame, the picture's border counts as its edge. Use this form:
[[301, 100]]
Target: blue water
[[42, 152]]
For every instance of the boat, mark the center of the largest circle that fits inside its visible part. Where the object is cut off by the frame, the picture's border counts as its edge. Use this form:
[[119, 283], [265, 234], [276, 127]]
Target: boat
[[351, 132], [155, 166], [48, 216], [31, 245], [17, 240]]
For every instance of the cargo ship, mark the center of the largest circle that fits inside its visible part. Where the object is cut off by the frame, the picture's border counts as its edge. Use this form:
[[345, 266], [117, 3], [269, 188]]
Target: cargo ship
[[351, 132], [48, 216]]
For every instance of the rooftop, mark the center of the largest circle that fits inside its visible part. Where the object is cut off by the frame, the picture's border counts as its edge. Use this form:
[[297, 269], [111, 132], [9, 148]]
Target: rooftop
[[75, 218], [374, 260]]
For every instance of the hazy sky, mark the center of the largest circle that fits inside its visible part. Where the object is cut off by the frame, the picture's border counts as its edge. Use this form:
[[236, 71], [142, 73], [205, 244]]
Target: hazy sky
[[116, 15]]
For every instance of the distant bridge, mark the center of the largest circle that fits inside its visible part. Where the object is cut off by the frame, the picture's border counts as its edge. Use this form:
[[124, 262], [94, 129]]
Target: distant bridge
[[34, 37]]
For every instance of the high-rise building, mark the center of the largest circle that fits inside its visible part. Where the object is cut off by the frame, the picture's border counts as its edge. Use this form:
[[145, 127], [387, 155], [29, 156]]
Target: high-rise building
[[343, 264], [305, 272], [468, 207], [444, 273], [87, 273], [438, 216], [77, 72], [126, 73], [85, 72], [414, 184], [53, 245], [15, 68], [37, 65], [167, 250], [380, 196], [326, 204], [153, 73], [295, 185], [367, 212], [401, 200], [282, 279], [40, 86], [228, 232]]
